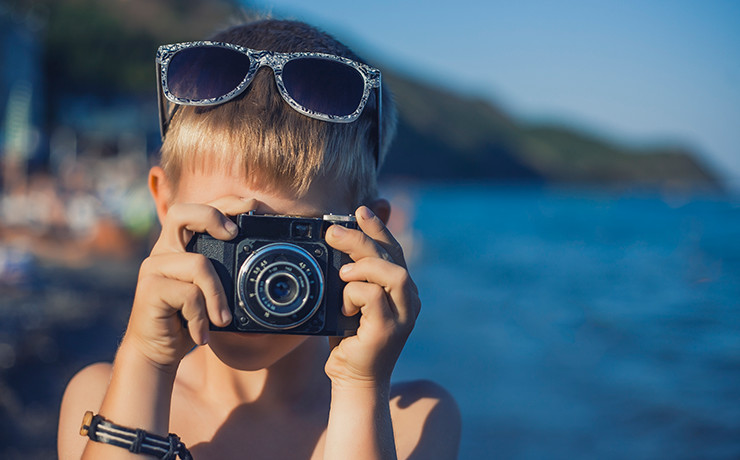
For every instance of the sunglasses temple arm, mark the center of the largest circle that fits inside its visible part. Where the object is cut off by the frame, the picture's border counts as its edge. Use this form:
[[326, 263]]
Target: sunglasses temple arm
[[379, 105], [160, 102]]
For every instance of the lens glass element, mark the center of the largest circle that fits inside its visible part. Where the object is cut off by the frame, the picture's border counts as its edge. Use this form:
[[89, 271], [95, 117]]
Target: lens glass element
[[206, 72], [282, 288], [325, 86]]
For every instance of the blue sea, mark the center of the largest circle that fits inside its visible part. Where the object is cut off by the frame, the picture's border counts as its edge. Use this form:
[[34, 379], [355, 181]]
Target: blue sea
[[577, 324]]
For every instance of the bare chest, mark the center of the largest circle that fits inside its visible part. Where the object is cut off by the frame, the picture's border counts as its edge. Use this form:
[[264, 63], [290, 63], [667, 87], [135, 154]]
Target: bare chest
[[245, 433]]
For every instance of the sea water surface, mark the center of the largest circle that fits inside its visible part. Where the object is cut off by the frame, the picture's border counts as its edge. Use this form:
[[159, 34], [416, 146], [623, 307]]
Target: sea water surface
[[579, 324]]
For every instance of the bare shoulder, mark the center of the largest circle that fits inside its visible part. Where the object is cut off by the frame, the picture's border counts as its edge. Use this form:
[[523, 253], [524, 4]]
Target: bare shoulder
[[84, 392], [426, 420]]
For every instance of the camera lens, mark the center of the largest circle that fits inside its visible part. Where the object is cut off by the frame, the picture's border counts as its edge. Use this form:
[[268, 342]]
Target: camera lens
[[282, 288]]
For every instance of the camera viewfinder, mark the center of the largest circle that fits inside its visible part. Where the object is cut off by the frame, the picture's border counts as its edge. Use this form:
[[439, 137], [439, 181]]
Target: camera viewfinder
[[301, 230]]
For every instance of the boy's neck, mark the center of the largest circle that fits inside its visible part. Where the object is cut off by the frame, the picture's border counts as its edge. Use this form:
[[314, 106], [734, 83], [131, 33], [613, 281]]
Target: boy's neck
[[296, 382]]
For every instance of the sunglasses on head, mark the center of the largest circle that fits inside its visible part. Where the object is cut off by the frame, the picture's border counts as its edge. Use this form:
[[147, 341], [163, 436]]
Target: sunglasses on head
[[321, 86]]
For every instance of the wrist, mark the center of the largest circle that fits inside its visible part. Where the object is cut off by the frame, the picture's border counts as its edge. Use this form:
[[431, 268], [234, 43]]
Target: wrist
[[132, 352], [360, 385], [136, 441], [360, 393], [140, 391], [343, 379]]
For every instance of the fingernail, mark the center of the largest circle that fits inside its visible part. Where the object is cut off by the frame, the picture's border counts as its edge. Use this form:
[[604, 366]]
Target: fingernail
[[347, 268], [338, 230], [226, 316], [231, 227], [205, 338], [366, 213]]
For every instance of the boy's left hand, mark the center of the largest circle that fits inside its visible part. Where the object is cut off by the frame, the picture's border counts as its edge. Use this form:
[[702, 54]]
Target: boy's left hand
[[379, 287]]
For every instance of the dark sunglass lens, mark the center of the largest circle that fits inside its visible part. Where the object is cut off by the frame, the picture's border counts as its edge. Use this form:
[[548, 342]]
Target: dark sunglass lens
[[206, 72], [325, 86]]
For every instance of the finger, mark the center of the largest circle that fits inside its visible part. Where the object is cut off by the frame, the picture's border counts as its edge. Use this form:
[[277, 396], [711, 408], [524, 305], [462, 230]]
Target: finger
[[376, 229], [355, 243], [188, 300], [183, 219], [198, 270], [232, 205], [393, 279], [368, 299], [382, 272], [194, 312], [188, 218]]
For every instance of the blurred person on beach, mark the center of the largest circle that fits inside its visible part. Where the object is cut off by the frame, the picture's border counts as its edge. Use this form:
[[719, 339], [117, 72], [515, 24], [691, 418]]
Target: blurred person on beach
[[247, 395]]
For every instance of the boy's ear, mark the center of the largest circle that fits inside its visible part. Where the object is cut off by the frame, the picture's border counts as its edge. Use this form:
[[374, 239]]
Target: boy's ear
[[161, 191], [381, 208]]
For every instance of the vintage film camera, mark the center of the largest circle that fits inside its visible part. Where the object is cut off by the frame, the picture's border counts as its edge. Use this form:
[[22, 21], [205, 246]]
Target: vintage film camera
[[280, 276]]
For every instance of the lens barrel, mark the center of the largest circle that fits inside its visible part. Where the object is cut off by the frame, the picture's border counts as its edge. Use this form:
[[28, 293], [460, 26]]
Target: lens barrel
[[280, 286]]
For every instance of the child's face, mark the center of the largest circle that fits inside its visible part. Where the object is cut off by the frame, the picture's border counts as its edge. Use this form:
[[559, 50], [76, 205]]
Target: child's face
[[258, 351]]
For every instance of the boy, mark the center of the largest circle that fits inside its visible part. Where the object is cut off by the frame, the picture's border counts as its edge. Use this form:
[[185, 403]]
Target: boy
[[268, 147]]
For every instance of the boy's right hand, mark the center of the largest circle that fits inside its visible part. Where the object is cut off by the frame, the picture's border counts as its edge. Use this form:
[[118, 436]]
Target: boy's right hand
[[173, 281]]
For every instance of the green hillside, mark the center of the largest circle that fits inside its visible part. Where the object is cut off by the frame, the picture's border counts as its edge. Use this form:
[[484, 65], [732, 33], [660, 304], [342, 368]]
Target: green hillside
[[443, 135], [570, 156]]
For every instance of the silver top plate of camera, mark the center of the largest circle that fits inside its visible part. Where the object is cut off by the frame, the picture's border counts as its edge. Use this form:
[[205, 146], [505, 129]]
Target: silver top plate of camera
[[339, 218]]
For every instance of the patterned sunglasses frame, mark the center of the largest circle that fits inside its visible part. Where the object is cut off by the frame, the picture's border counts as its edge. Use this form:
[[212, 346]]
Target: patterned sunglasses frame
[[276, 61]]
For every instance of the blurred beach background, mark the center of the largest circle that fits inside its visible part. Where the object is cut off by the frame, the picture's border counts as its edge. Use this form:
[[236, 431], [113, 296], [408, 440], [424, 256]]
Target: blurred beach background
[[565, 184]]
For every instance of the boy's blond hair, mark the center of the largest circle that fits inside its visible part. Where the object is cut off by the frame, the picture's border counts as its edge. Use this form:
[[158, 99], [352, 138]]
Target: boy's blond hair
[[276, 148]]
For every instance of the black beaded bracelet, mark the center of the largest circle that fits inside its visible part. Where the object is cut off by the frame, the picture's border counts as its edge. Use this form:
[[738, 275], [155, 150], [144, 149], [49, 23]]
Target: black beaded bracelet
[[138, 441]]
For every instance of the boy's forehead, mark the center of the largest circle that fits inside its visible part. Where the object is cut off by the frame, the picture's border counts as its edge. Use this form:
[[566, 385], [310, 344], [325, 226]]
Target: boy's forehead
[[322, 197]]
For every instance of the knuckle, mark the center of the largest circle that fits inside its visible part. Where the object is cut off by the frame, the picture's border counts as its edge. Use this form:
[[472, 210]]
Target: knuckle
[[174, 212], [216, 293], [356, 237], [376, 293], [201, 263], [402, 275], [191, 294], [353, 288], [195, 326], [198, 319], [146, 280], [146, 267]]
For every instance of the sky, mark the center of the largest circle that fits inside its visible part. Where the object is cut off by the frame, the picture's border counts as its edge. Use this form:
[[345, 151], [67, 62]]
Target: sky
[[635, 72]]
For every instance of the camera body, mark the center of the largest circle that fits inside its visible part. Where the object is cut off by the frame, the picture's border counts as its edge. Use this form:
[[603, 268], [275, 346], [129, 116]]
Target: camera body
[[280, 276]]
